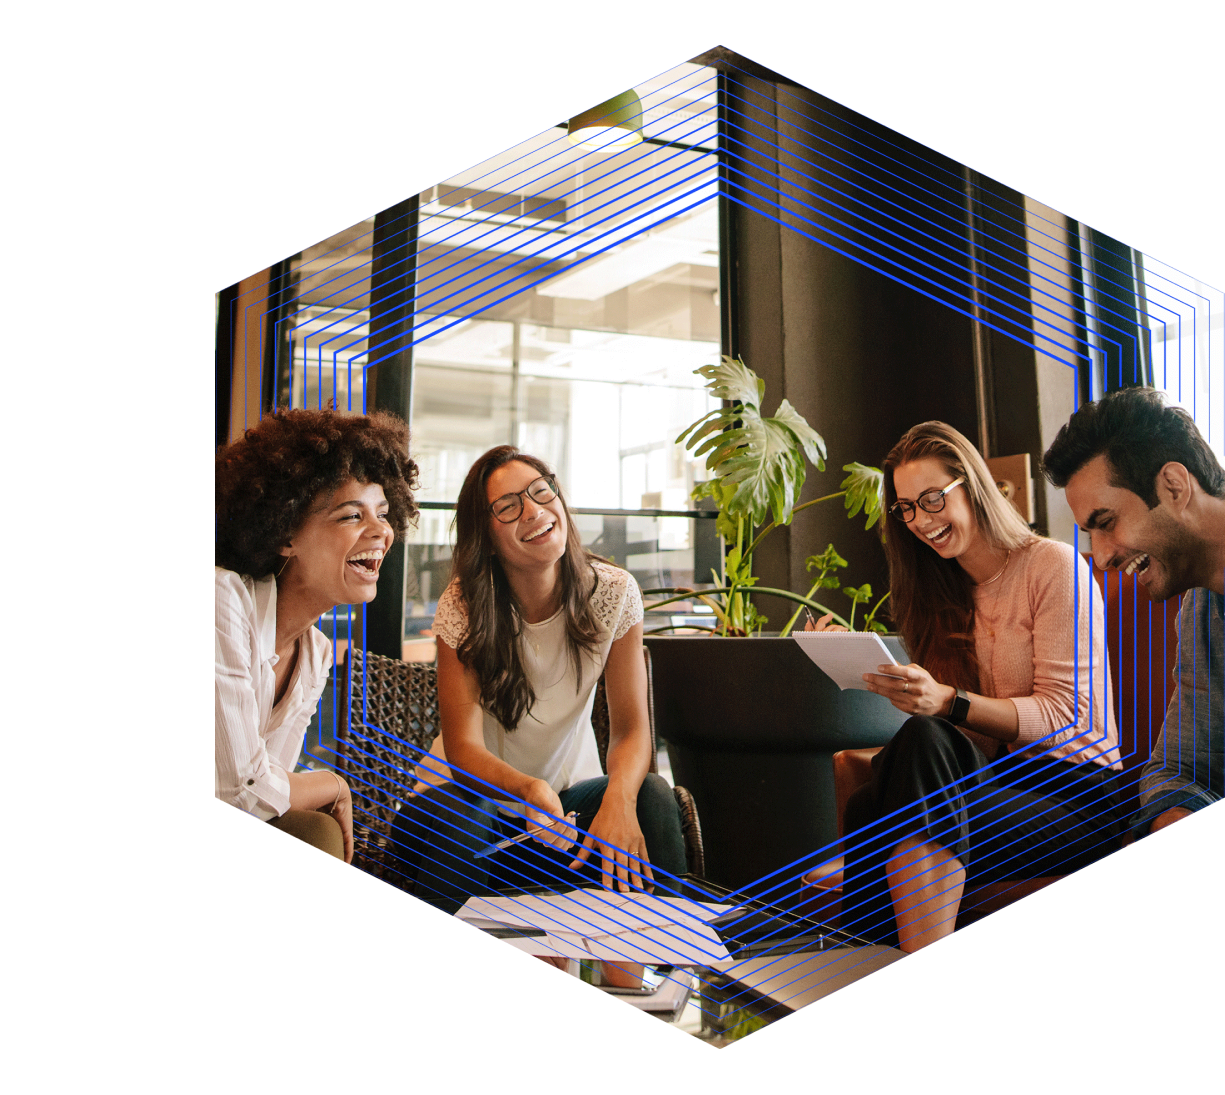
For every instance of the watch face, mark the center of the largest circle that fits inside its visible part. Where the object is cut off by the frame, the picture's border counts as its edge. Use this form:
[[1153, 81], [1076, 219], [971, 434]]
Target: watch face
[[961, 708]]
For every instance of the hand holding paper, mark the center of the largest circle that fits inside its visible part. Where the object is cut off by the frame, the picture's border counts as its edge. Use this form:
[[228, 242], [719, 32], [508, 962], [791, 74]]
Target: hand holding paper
[[845, 656], [911, 689]]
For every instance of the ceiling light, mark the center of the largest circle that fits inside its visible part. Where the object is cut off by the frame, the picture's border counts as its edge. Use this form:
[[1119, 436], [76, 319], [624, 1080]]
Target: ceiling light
[[610, 127]]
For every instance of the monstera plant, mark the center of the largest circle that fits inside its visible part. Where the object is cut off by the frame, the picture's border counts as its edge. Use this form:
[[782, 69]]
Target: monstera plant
[[757, 469]]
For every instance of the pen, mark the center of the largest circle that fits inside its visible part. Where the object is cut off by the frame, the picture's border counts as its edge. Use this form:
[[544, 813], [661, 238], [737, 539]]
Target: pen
[[808, 613], [489, 849]]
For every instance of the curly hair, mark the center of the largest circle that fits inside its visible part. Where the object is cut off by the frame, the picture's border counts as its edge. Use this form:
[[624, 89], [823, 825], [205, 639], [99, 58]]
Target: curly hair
[[1140, 432], [269, 478]]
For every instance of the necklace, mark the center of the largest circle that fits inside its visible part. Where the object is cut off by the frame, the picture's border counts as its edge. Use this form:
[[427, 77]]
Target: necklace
[[999, 573]]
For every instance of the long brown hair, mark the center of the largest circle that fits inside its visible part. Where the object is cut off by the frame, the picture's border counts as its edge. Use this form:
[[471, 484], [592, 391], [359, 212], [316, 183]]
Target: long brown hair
[[491, 646], [933, 598]]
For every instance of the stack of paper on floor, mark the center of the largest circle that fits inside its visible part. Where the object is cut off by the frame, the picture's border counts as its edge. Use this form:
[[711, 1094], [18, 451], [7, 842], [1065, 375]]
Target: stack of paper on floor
[[597, 923]]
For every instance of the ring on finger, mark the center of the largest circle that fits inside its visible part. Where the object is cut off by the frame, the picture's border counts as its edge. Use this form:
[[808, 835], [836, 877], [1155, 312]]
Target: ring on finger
[[906, 687]]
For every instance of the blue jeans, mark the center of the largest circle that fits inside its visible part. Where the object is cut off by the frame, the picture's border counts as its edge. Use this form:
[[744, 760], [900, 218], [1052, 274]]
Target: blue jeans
[[436, 835]]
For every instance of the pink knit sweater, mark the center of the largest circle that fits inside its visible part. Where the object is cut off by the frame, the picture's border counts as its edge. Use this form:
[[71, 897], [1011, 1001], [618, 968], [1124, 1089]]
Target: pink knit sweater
[[1028, 623]]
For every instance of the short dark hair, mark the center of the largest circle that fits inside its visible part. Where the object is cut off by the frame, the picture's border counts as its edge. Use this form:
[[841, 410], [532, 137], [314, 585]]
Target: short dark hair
[[268, 478], [1140, 432]]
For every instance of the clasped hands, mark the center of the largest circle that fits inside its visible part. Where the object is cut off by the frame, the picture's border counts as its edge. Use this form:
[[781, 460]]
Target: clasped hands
[[614, 829]]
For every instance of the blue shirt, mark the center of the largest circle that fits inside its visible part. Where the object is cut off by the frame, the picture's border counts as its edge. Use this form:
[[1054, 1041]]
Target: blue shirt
[[1187, 767]]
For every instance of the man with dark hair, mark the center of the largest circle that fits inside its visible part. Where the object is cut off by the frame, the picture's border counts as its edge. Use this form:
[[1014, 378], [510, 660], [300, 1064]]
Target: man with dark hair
[[1145, 486]]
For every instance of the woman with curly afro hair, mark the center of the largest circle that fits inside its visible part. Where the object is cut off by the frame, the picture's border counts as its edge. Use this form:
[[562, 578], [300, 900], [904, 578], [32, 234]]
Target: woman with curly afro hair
[[308, 503]]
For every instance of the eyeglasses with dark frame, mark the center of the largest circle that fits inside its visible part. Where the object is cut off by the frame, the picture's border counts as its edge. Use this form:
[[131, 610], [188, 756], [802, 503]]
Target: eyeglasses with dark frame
[[930, 501], [508, 507]]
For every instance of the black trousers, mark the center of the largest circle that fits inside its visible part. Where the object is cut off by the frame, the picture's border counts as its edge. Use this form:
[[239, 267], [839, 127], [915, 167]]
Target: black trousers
[[1012, 818]]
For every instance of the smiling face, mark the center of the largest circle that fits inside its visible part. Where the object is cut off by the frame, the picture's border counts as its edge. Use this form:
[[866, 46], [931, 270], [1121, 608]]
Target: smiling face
[[953, 531], [537, 539], [336, 554], [1124, 534]]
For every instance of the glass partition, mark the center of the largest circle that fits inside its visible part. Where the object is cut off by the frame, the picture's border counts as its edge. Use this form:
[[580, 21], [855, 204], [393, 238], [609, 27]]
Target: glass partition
[[660, 550]]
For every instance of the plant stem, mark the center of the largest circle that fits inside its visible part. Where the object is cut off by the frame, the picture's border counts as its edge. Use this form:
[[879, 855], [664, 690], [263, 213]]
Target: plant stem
[[786, 594], [800, 608], [680, 627], [872, 615], [805, 505], [735, 614], [688, 595]]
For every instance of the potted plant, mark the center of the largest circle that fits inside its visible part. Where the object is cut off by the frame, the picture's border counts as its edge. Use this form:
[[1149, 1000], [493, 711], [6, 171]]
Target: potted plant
[[751, 724], [757, 471]]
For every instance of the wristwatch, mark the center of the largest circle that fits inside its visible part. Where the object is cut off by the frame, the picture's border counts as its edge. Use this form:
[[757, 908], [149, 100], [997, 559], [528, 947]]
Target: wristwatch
[[960, 711]]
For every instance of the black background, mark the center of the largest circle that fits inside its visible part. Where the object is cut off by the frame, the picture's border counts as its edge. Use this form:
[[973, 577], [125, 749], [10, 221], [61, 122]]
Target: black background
[[1131, 932]]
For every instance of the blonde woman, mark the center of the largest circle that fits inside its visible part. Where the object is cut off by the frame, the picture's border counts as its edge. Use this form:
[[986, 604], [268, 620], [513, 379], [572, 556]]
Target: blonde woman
[[1004, 769]]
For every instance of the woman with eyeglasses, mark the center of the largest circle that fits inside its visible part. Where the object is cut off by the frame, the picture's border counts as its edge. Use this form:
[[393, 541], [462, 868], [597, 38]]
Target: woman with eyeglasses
[[526, 626], [1004, 770]]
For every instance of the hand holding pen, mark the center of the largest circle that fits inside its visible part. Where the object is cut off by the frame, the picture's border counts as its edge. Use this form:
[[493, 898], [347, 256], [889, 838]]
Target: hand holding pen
[[544, 821], [536, 831]]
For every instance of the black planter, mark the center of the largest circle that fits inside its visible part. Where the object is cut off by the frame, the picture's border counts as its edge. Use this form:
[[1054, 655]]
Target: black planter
[[751, 726]]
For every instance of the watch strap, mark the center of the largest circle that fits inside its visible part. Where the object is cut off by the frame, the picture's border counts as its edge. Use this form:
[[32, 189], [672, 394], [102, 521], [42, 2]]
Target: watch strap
[[960, 710]]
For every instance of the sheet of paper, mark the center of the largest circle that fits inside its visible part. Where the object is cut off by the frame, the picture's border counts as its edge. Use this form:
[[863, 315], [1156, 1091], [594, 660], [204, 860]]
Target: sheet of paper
[[589, 912], [797, 979], [654, 909], [535, 944], [697, 945], [844, 656]]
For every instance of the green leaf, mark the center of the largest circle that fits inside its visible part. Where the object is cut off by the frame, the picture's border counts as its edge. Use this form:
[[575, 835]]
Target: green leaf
[[877, 626], [865, 490], [760, 459], [703, 426], [861, 595], [813, 444], [733, 379], [827, 560]]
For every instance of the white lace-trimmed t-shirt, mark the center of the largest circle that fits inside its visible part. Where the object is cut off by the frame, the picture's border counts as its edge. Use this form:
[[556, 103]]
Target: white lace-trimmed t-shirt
[[554, 741]]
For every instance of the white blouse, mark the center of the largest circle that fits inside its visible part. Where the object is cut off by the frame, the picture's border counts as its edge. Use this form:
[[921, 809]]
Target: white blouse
[[258, 744], [554, 741]]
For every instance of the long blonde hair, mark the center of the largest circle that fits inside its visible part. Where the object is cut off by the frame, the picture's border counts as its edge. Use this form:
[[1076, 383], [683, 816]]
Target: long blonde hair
[[933, 598]]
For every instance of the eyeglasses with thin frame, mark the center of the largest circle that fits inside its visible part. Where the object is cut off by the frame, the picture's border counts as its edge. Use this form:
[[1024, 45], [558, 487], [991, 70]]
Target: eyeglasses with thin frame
[[508, 508], [931, 501]]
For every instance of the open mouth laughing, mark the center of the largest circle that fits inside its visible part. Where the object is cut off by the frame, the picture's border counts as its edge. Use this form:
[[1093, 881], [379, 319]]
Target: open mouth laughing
[[939, 537], [536, 534], [1138, 564], [366, 563]]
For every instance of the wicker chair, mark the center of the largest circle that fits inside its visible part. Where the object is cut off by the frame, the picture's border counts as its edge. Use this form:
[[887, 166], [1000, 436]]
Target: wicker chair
[[401, 706]]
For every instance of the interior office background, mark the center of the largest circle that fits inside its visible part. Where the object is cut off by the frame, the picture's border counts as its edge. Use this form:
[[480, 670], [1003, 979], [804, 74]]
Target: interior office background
[[560, 299], [308, 199]]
